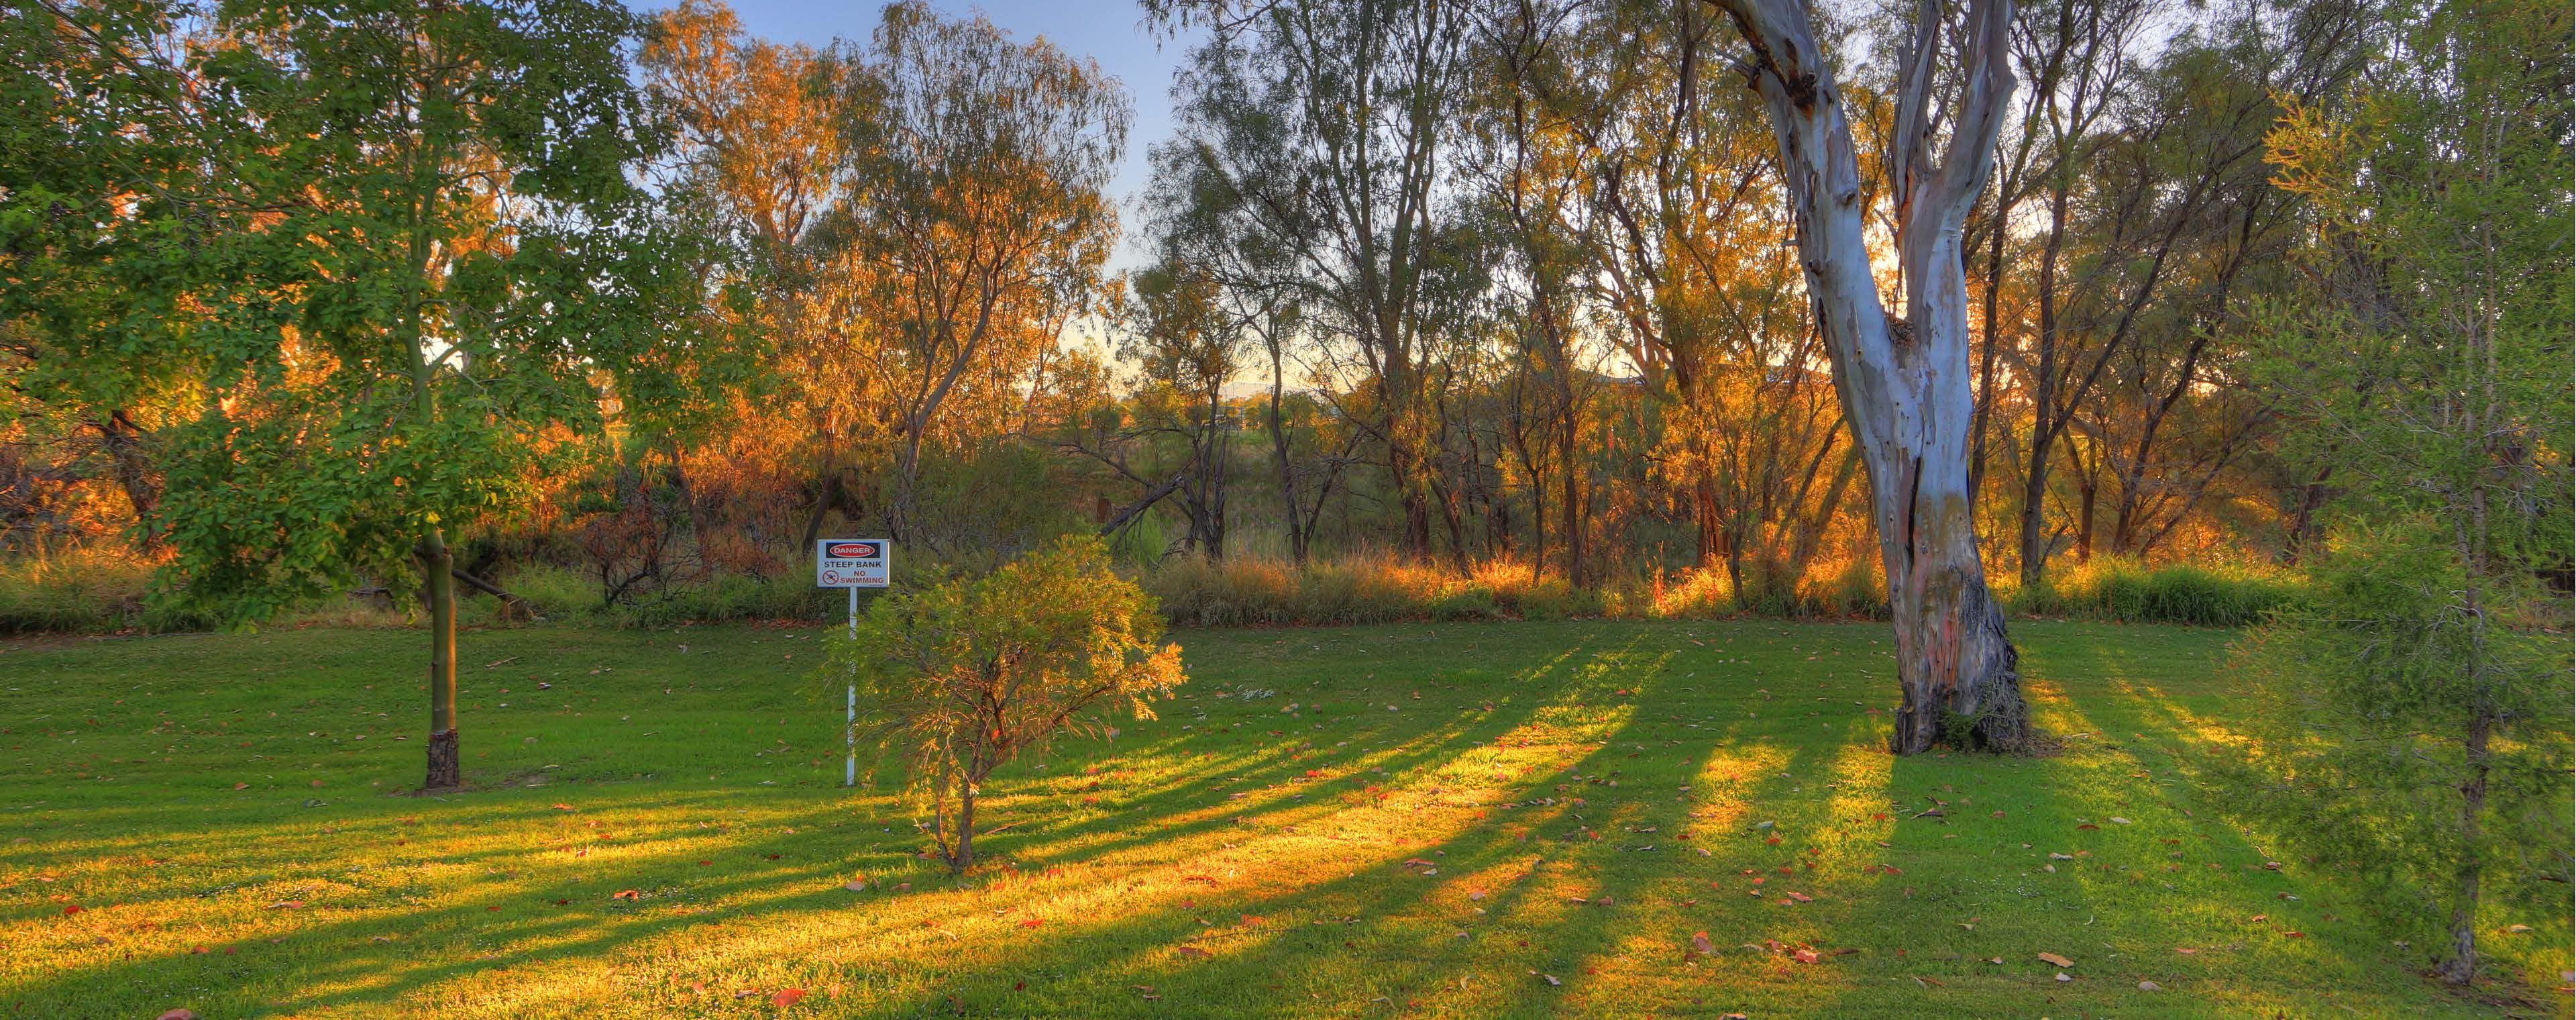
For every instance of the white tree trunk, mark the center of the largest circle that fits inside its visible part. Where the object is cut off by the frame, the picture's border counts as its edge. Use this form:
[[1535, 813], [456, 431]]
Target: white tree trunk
[[1905, 385]]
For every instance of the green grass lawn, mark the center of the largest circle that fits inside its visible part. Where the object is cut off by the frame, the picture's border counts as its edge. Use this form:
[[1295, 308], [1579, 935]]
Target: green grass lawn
[[1465, 820]]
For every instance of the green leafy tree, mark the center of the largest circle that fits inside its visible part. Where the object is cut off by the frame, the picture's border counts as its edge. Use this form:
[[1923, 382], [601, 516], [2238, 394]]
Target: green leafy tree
[[410, 255], [2423, 726], [962, 677], [112, 222]]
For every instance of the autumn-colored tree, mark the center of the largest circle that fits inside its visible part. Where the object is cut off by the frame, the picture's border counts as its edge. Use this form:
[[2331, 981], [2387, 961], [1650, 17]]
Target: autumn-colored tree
[[971, 221]]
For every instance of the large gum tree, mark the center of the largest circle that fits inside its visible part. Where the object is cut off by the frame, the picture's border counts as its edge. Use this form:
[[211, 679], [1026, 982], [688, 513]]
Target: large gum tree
[[1904, 379]]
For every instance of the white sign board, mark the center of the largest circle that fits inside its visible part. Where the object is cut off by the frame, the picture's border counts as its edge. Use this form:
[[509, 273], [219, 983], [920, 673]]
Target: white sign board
[[851, 562]]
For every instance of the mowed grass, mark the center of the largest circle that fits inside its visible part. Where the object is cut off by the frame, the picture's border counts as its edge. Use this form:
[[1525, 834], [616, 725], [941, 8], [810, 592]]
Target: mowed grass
[[1468, 820]]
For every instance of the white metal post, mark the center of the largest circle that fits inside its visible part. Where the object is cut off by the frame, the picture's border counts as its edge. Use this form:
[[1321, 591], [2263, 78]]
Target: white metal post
[[850, 770]]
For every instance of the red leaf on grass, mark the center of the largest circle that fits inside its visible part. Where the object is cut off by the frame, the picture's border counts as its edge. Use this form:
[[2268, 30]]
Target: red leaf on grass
[[626, 894], [73, 909], [786, 997]]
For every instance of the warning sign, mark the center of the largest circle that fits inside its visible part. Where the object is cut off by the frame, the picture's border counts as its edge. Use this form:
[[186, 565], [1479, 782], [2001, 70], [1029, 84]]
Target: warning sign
[[851, 562]]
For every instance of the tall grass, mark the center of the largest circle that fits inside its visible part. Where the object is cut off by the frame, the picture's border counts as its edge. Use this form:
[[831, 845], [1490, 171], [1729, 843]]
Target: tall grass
[[72, 590], [2130, 591], [1377, 589], [82, 591]]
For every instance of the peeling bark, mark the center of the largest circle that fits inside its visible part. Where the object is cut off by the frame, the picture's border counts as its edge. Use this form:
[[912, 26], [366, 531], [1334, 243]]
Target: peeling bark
[[1904, 382]]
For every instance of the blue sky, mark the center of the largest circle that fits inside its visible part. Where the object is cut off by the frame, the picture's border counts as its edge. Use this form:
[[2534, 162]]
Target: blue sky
[[1110, 31]]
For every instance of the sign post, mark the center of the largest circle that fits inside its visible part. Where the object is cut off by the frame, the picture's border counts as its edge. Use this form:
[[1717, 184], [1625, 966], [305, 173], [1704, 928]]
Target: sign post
[[852, 564]]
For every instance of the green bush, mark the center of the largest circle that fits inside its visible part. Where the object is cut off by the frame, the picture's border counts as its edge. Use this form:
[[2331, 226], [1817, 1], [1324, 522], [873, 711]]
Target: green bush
[[962, 676]]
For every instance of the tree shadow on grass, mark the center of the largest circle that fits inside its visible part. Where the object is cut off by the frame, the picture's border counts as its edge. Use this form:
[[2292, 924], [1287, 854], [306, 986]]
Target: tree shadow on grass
[[360, 977]]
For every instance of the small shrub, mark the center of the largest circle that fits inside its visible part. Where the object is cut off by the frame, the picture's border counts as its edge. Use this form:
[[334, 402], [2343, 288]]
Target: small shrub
[[963, 676]]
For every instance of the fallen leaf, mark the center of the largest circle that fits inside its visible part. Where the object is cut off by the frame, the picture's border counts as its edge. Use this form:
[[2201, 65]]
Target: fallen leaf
[[73, 909], [1700, 945], [287, 905], [1807, 956], [1194, 952], [786, 997], [2150, 986], [626, 894], [2056, 959], [180, 1014], [1550, 979]]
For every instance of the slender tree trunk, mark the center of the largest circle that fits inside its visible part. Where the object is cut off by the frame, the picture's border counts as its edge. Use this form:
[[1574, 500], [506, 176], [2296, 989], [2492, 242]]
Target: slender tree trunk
[[964, 856], [1905, 388], [1297, 531], [1572, 497], [2044, 397], [1212, 481], [2474, 546], [438, 590], [1406, 474], [2088, 491], [123, 441], [823, 498], [446, 761], [2461, 964], [2303, 521], [1986, 356], [900, 511], [1704, 501], [445, 766]]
